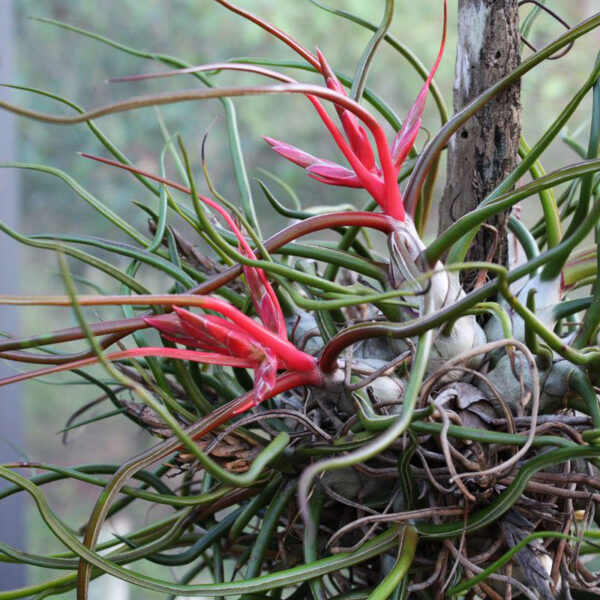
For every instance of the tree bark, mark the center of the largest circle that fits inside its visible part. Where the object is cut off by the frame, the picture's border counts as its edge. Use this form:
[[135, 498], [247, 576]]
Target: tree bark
[[485, 149]]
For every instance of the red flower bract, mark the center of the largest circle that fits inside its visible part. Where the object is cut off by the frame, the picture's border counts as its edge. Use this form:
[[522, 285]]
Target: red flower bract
[[356, 146], [222, 337]]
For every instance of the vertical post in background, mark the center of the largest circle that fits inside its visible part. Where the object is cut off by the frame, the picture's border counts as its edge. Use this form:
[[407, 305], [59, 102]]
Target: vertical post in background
[[485, 150], [12, 530]]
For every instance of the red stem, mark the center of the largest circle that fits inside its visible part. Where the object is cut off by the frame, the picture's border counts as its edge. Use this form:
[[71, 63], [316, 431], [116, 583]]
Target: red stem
[[377, 221], [285, 382], [193, 355], [120, 327], [275, 31], [295, 359], [365, 176], [337, 344], [218, 66], [182, 188]]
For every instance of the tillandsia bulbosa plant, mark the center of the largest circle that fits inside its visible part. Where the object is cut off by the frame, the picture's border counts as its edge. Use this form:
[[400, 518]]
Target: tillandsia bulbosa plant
[[337, 419]]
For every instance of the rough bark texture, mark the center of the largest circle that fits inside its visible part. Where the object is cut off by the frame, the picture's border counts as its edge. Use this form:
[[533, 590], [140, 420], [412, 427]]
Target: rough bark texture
[[485, 149]]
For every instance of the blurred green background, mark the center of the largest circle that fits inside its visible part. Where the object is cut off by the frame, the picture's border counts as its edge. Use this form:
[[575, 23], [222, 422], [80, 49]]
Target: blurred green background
[[76, 68]]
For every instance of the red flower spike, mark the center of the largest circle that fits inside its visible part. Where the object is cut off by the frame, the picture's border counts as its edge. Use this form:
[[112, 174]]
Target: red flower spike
[[213, 331], [357, 136], [405, 139], [242, 343], [369, 180], [285, 351], [333, 174], [264, 377], [293, 154], [242, 340], [266, 305], [207, 332], [170, 328], [264, 348], [320, 169], [380, 182], [237, 344]]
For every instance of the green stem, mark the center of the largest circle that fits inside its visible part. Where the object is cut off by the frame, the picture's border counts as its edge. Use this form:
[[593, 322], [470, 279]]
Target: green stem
[[310, 541], [252, 508], [524, 237], [592, 316], [409, 539], [465, 228], [429, 155], [268, 529], [504, 501], [548, 201], [587, 182], [362, 71], [375, 547], [380, 443], [402, 49]]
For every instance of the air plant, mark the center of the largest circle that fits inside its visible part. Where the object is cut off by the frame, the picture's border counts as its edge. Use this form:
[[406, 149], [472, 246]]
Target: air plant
[[398, 435]]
